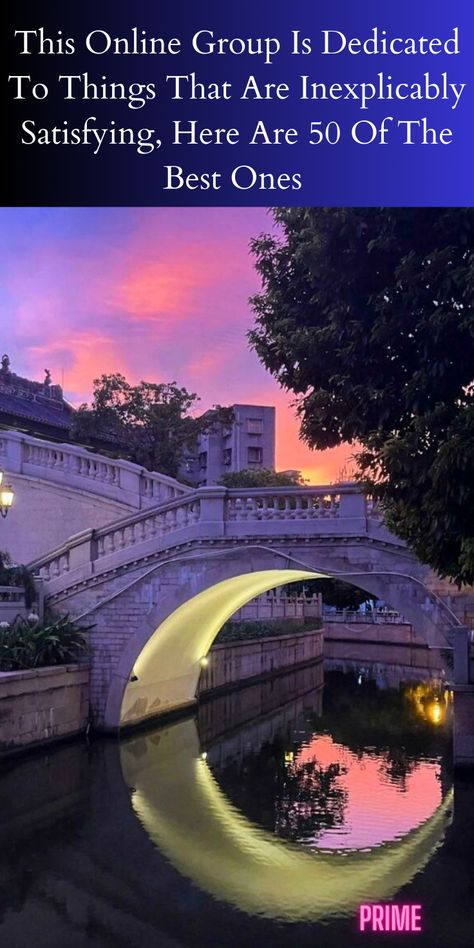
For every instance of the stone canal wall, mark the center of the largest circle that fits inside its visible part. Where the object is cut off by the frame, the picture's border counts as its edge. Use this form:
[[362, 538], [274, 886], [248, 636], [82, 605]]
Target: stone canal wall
[[232, 663], [41, 705], [374, 645], [235, 722], [383, 633]]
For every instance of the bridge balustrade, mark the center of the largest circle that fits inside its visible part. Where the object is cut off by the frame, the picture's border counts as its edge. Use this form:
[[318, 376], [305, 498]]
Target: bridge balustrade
[[73, 466], [291, 506], [211, 513]]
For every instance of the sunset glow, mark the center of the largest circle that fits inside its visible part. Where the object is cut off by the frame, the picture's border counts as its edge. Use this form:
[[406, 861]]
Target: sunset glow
[[157, 294]]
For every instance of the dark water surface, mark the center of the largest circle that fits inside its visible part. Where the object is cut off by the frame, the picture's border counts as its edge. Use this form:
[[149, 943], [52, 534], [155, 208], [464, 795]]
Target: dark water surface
[[264, 820]]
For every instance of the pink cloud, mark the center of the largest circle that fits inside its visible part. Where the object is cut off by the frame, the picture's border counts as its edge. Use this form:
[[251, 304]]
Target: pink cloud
[[83, 356], [170, 287], [152, 293]]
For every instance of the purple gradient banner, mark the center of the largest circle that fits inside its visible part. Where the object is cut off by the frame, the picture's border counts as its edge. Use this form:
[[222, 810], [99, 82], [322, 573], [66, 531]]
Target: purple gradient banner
[[170, 103]]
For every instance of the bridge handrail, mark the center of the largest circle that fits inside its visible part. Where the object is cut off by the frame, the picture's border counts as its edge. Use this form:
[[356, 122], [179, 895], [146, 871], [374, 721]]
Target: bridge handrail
[[209, 513], [74, 466]]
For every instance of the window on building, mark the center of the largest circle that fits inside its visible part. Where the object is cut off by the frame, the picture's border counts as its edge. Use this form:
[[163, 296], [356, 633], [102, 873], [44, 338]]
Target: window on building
[[203, 460], [254, 455], [227, 457], [255, 426]]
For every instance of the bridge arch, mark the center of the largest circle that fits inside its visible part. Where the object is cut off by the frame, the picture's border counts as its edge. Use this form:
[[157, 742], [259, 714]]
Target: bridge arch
[[194, 594], [166, 671], [130, 577]]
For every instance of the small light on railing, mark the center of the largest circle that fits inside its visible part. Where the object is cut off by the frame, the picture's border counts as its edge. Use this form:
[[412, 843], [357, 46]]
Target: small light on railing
[[6, 499], [204, 662]]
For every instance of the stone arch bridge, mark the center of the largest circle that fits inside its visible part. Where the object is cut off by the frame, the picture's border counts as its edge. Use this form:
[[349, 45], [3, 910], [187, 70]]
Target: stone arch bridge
[[158, 584]]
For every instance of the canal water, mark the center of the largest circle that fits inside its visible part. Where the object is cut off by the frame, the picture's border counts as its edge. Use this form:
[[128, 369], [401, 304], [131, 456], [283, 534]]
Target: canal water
[[265, 820]]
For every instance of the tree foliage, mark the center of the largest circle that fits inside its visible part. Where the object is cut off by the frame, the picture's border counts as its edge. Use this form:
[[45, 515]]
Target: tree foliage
[[367, 316], [261, 477], [151, 423]]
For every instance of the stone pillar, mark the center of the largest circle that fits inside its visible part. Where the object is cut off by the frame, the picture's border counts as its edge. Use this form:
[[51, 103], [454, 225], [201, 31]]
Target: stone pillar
[[352, 519], [352, 504], [461, 635], [463, 732], [463, 735], [211, 520], [84, 552], [13, 461], [130, 483]]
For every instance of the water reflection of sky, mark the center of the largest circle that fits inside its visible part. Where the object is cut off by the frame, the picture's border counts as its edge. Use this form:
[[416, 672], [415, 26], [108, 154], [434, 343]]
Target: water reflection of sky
[[377, 805]]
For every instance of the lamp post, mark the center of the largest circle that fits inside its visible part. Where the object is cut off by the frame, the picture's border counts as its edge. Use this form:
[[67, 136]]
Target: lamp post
[[7, 495]]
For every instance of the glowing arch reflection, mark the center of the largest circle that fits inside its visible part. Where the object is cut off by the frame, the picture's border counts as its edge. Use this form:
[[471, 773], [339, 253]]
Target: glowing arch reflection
[[184, 812]]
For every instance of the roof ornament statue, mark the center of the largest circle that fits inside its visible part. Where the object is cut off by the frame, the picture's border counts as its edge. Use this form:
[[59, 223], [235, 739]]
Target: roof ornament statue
[[47, 378], [5, 365]]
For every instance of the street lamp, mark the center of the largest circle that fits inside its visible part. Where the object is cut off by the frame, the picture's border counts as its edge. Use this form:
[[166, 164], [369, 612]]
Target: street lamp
[[7, 495]]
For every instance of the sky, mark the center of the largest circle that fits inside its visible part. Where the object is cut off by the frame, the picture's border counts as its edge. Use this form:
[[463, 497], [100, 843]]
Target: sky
[[159, 294]]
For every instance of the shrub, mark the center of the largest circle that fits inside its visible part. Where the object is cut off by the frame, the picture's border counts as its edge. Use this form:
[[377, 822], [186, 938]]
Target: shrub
[[241, 631], [12, 575], [35, 643]]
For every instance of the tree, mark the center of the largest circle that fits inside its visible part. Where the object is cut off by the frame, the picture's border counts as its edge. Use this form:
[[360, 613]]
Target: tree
[[367, 316], [261, 477], [151, 423]]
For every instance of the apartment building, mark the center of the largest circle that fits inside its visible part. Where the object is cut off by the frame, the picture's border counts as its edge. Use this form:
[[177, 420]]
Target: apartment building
[[249, 442]]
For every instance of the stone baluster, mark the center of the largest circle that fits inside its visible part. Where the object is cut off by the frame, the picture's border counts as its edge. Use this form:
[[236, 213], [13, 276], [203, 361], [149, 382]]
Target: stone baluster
[[263, 502], [249, 507], [274, 508], [297, 510], [109, 544]]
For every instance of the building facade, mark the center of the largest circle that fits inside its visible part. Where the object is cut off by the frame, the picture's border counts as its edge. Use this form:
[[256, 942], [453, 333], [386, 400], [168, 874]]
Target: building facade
[[248, 443]]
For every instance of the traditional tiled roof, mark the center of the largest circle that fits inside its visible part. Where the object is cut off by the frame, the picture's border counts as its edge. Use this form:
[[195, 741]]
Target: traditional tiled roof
[[37, 402], [37, 411]]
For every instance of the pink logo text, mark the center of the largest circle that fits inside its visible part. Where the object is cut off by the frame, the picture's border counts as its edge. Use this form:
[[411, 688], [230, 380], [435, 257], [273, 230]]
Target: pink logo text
[[390, 918]]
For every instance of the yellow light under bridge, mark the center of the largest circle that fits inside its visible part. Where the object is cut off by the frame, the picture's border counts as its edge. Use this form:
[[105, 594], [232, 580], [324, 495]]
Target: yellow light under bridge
[[166, 673]]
